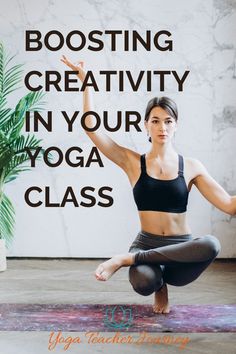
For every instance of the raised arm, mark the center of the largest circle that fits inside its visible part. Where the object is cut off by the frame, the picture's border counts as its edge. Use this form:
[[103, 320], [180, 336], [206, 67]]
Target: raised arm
[[211, 190], [113, 151]]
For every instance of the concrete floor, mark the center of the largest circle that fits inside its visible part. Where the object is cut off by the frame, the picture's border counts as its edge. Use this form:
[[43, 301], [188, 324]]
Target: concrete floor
[[72, 281]]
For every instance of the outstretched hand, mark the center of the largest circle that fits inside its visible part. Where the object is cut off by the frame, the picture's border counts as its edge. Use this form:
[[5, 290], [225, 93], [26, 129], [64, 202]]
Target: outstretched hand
[[79, 66]]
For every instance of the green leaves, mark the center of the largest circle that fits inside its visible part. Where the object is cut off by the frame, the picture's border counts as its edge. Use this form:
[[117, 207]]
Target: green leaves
[[20, 156], [7, 219], [6, 154], [13, 156], [9, 78], [14, 121]]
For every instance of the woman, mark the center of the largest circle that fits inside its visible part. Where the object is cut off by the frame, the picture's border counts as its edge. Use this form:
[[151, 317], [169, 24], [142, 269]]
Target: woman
[[164, 252]]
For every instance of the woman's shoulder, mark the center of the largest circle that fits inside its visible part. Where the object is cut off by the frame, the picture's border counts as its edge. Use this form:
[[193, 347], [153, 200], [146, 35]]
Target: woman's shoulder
[[193, 161], [194, 165]]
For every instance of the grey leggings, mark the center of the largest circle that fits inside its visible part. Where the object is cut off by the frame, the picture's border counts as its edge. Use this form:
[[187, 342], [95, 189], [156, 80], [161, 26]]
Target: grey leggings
[[176, 260]]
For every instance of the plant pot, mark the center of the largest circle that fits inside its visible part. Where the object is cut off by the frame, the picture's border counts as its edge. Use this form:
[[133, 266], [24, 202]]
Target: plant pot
[[3, 258]]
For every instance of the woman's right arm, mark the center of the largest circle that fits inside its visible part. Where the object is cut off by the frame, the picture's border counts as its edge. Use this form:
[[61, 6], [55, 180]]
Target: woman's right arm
[[113, 151]]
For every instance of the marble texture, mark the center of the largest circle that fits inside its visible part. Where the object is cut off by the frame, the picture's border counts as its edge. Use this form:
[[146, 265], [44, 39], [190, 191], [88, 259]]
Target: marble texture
[[204, 43], [224, 117]]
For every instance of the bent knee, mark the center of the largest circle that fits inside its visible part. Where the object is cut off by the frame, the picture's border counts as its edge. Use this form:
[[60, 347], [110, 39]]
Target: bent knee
[[143, 290], [212, 245], [144, 281], [146, 289]]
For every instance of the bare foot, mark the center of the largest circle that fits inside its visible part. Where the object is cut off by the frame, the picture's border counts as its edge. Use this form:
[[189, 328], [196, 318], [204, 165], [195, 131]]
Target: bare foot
[[106, 269], [161, 304]]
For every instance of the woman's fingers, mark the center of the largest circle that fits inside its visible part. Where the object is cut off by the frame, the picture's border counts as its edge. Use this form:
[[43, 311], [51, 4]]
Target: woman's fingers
[[76, 66], [79, 67], [66, 61], [80, 63]]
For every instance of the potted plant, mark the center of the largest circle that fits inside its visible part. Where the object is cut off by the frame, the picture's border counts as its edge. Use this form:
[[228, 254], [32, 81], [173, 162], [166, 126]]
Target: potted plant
[[13, 157]]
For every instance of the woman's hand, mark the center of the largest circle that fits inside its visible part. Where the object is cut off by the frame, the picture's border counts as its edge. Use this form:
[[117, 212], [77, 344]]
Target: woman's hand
[[75, 67]]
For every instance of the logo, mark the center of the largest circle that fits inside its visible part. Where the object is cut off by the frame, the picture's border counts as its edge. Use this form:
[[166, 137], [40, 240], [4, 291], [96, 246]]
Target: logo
[[118, 317]]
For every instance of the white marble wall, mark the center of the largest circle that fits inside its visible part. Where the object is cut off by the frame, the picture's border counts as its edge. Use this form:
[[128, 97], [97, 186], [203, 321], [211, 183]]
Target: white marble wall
[[204, 43], [224, 117]]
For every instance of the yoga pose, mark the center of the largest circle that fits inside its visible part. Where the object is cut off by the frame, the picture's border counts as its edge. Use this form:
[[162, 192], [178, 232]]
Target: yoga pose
[[164, 252]]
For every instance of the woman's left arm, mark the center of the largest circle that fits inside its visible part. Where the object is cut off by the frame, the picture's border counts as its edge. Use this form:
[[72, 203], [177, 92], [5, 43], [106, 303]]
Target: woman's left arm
[[212, 191]]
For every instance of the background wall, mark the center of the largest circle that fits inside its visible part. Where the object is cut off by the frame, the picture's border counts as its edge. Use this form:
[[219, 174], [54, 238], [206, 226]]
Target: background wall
[[203, 34]]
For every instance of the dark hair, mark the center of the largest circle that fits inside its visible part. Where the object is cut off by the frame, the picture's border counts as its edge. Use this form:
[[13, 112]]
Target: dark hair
[[164, 102]]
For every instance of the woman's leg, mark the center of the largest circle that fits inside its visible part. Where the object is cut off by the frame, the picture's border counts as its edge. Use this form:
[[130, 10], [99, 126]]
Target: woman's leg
[[199, 250], [180, 274], [145, 278], [183, 262], [176, 264], [197, 253]]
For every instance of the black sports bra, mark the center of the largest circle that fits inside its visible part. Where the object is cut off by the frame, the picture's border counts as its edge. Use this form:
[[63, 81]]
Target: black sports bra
[[161, 195]]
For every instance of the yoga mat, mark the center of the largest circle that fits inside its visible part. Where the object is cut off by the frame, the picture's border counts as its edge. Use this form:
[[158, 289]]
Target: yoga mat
[[119, 317]]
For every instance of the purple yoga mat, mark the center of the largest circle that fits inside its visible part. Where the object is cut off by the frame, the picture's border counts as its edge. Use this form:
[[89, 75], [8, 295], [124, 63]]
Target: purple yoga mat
[[111, 318]]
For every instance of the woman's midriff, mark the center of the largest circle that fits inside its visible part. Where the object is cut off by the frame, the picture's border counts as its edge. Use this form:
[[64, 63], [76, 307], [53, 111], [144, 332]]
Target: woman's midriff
[[162, 223]]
